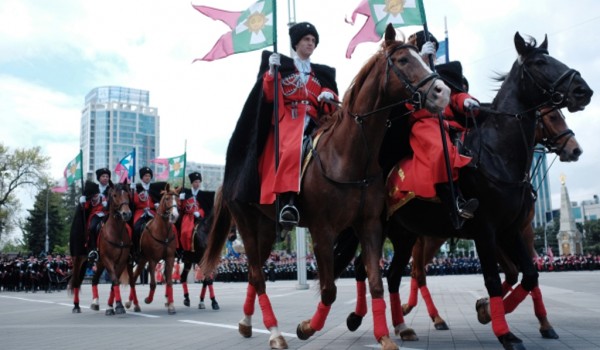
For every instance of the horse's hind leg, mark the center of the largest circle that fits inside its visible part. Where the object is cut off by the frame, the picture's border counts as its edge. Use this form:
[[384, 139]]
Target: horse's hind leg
[[546, 329], [354, 320], [152, 269], [184, 275], [133, 299], [95, 280], [169, 284]]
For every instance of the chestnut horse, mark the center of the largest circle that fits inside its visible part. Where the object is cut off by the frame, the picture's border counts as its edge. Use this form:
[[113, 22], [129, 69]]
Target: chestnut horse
[[114, 244], [342, 187], [503, 146], [554, 134], [158, 242]]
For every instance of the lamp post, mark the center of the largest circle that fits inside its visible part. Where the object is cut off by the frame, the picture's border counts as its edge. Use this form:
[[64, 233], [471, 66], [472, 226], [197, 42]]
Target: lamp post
[[47, 245]]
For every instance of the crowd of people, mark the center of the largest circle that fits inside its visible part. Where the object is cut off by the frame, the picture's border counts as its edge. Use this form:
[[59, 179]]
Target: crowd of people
[[33, 274]]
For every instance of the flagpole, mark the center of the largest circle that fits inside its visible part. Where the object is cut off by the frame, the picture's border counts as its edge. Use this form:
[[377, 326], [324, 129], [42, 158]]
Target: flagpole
[[276, 110], [83, 217], [184, 164], [446, 40], [134, 166], [441, 122]]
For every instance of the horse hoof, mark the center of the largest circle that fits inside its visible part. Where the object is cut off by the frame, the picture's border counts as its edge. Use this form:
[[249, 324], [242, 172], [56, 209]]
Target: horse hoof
[[128, 304], [95, 307], [245, 331], [406, 309], [303, 331], [482, 306], [549, 333], [110, 312], [405, 333], [120, 310], [201, 306], [353, 321], [387, 343], [76, 310], [215, 305], [171, 310], [510, 342], [278, 343], [186, 301], [137, 308], [442, 326], [147, 300]]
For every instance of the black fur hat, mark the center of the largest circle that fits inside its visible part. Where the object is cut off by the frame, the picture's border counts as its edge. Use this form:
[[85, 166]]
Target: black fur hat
[[90, 189], [146, 170], [195, 176], [101, 172], [155, 189], [451, 74], [300, 30], [419, 39]]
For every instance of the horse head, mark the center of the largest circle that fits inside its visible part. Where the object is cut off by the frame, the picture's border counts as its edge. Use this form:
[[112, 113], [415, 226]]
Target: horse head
[[554, 134], [119, 202], [169, 203], [554, 83]]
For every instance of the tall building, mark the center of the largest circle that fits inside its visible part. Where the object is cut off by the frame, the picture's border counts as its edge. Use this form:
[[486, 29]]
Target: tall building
[[539, 180], [212, 175], [114, 121]]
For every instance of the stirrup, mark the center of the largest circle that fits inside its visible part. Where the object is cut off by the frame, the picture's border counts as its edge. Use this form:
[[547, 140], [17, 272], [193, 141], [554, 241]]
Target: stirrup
[[289, 216], [93, 255], [466, 209]]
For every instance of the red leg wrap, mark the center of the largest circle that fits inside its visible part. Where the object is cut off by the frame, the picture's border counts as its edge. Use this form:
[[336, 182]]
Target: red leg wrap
[[111, 297], [117, 292], [211, 291], [318, 320], [361, 298], [185, 288], [95, 291], [151, 295], [514, 299], [268, 316], [250, 298], [202, 292], [538, 302], [396, 307], [76, 295], [169, 293], [506, 288], [414, 291], [499, 325], [380, 328], [133, 296], [431, 309]]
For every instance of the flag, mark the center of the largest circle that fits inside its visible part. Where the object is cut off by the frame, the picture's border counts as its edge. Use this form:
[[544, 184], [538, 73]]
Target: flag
[[381, 12], [252, 29], [125, 169], [163, 164], [72, 173], [441, 55], [176, 166]]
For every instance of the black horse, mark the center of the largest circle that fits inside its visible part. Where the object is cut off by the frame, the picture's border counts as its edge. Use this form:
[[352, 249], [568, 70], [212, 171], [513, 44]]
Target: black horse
[[502, 144]]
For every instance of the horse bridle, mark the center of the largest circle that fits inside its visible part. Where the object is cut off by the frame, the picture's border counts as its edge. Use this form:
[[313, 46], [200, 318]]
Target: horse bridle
[[117, 211], [551, 142], [167, 210]]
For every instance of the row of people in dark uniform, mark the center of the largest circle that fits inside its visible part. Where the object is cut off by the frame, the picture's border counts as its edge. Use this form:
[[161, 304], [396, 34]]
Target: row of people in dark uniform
[[46, 273]]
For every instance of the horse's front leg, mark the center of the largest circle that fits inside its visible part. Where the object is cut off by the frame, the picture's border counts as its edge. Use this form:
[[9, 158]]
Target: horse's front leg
[[486, 249], [133, 299], [169, 262], [95, 280], [152, 269], [184, 275]]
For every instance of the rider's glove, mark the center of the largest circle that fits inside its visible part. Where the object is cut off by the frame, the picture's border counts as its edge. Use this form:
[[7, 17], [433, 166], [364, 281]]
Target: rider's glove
[[274, 60], [471, 104], [325, 95]]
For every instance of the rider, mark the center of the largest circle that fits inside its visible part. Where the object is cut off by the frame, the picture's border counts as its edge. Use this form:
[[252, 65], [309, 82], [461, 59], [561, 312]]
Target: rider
[[192, 211], [144, 205], [303, 85], [94, 200], [429, 164]]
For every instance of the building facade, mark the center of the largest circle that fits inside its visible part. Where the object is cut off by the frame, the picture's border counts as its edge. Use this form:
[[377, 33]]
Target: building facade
[[114, 121], [212, 175], [543, 204]]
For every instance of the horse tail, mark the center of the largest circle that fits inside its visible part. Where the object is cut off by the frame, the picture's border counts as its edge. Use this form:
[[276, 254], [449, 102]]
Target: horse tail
[[217, 235], [344, 250]]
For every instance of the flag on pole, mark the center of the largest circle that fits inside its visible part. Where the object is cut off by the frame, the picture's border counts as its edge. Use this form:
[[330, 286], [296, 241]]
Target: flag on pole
[[125, 169], [72, 173], [442, 52], [381, 12], [252, 29], [163, 163], [177, 166]]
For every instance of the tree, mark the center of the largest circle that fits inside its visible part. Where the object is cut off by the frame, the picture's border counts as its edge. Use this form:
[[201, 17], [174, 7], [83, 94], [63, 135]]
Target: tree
[[35, 228], [591, 243], [21, 168]]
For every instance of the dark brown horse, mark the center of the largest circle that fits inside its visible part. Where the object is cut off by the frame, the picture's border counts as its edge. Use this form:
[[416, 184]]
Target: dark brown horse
[[503, 146], [342, 187], [114, 244], [554, 134], [159, 242]]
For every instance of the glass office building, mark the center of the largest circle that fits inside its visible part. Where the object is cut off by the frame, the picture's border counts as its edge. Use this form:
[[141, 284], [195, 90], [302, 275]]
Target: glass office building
[[543, 204], [114, 121]]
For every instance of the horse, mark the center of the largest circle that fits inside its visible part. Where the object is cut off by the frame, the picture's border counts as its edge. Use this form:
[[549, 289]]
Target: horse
[[194, 256], [503, 146], [553, 133], [114, 244], [158, 242], [342, 187]]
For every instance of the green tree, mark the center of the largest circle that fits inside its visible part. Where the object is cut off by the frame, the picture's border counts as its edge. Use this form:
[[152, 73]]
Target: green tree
[[35, 228], [21, 168], [591, 243]]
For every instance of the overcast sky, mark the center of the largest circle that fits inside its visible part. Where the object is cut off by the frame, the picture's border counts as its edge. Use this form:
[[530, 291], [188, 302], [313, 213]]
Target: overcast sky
[[52, 53]]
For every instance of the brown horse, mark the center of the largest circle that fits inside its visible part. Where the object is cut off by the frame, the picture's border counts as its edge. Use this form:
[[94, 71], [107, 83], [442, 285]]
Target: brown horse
[[114, 244], [342, 188], [159, 242], [554, 134]]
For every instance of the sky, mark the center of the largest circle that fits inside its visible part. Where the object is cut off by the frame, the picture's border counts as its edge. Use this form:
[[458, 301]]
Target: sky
[[52, 53]]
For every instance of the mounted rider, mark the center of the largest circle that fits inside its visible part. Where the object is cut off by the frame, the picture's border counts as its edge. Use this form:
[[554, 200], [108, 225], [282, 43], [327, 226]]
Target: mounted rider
[[95, 203], [192, 210], [144, 204]]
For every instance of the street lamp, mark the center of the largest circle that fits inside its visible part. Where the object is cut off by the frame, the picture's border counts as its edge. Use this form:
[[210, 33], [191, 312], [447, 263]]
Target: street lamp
[[47, 245]]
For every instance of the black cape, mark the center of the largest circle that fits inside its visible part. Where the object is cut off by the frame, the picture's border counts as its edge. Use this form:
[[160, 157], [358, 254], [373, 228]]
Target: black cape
[[241, 181]]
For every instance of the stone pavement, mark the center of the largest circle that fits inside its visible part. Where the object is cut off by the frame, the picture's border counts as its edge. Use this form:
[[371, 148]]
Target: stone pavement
[[44, 321]]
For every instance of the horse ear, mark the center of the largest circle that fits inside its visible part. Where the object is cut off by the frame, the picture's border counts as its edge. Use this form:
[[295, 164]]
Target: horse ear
[[520, 44], [544, 44], [390, 33]]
